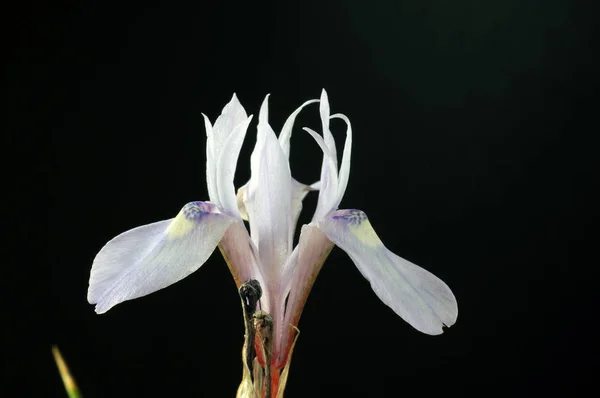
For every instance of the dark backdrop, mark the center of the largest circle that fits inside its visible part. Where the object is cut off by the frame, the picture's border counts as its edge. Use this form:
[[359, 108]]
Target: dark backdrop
[[474, 156]]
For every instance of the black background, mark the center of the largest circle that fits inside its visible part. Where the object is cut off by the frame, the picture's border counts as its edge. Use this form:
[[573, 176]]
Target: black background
[[475, 156]]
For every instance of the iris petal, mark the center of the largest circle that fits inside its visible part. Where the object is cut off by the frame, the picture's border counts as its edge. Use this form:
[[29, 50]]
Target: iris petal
[[345, 167], [226, 168], [151, 257], [305, 264], [419, 297]]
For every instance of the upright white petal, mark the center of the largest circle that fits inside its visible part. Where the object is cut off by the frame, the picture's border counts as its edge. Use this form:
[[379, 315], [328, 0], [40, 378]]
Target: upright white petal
[[232, 114], [329, 178], [345, 167], [419, 297], [226, 168], [327, 136], [151, 257], [216, 140], [270, 207], [299, 192], [263, 114], [211, 162]]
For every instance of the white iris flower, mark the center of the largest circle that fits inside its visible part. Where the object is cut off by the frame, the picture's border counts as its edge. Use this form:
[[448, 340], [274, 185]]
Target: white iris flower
[[151, 257]]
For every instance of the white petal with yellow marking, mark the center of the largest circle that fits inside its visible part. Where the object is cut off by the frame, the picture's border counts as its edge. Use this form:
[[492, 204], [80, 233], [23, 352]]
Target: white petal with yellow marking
[[151, 257], [419, 297]]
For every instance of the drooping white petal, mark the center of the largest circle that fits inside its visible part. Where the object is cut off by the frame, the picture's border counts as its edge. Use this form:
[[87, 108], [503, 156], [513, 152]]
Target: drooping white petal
[[286, 131], [419, 297], [226, 168], [151, 257]]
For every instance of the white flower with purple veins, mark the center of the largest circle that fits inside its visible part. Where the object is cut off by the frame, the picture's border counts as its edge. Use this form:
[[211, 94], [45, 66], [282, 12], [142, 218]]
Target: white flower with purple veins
[[273, 277]]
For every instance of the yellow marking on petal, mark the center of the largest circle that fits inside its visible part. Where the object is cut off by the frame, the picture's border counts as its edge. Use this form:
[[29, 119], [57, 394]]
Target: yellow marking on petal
[[180, 226], [365, 233]]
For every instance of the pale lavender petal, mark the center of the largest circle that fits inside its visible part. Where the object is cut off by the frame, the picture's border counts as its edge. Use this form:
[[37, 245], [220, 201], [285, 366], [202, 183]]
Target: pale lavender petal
[[151, 257], [241, 255], [306, 261], [419, 297]]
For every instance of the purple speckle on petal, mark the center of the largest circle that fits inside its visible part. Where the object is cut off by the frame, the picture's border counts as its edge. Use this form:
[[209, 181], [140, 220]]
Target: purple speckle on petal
[[351, 216], [196, 210]]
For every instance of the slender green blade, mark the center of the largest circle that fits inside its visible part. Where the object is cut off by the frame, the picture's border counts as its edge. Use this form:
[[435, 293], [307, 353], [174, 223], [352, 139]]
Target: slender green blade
[[65, 375]]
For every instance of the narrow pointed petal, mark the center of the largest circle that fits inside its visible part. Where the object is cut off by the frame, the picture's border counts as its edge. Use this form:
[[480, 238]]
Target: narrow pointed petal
[[419, 297], [270, 211], [211, 162], [286, 131], [327, 136], [345, 167], [269, 201], [226, 168], [232, 114], [329, 178], [329, 168], [263, 114], [151, 257]]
